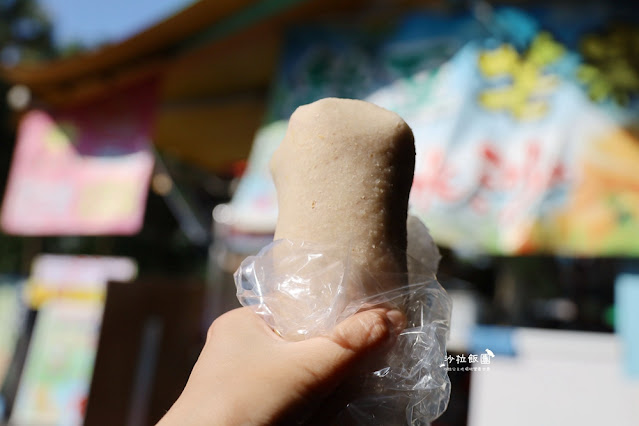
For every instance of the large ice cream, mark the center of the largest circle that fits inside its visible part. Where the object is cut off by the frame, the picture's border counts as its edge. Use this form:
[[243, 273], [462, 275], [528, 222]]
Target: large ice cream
[[343, 175]]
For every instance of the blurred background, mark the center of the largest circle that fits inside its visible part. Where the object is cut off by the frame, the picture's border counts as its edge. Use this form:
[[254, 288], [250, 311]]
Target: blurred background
[[134, 145]]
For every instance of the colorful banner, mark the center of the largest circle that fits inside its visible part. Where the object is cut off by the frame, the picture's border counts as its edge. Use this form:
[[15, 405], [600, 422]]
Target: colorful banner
[[525, 124], [84, 170]]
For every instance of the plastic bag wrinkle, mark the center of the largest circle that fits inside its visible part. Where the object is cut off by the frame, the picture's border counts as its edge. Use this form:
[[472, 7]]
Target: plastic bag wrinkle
[[303, 290]]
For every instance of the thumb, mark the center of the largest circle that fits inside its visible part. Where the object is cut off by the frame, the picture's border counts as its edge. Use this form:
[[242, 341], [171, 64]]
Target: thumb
[[368, 330], [361, 336]]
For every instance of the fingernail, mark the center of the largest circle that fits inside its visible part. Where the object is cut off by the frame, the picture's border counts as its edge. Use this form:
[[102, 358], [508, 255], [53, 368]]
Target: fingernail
[[397, 320]]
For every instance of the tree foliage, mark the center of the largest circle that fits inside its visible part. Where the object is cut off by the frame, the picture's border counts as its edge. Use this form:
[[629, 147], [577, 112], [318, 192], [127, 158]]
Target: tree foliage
[[25, 32]]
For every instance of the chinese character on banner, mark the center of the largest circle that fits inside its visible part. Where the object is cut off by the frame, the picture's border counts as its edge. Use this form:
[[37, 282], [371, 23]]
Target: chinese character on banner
[[83, 170]]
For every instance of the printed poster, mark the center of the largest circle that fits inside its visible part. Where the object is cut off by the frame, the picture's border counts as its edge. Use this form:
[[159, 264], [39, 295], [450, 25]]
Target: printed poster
[[55, 382], [68, 292]]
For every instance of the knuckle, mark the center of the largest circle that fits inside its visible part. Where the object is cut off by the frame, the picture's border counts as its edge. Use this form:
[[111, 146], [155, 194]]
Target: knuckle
[[217, 325], [212, 331], [377, 327], [367, 329]]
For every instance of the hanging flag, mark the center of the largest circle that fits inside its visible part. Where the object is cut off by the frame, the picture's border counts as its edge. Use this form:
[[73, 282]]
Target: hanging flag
[[83, 170]]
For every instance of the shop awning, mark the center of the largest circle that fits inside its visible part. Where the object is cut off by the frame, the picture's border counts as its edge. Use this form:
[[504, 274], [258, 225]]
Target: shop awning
[[216, 59]]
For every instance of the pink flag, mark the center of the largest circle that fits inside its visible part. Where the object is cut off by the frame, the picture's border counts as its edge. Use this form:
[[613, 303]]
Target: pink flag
[[83, 170]]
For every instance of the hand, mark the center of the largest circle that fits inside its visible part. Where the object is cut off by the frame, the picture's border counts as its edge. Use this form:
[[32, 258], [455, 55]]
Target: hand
[[248, 375]]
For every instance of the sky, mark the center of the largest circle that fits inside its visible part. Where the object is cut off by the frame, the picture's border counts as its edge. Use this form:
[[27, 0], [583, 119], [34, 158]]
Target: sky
[[94, 22]]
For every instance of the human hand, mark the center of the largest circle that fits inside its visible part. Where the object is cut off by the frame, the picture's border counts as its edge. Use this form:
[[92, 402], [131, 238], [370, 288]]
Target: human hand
[[248, 375]]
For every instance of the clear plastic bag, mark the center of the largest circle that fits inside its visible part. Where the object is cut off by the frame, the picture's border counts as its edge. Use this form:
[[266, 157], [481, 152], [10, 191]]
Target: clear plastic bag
[[303, 290]]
